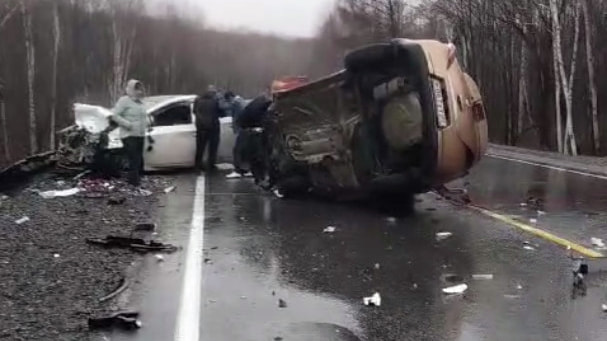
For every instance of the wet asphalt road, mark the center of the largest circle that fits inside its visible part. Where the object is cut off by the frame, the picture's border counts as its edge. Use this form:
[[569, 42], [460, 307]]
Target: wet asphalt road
[[259, 249]]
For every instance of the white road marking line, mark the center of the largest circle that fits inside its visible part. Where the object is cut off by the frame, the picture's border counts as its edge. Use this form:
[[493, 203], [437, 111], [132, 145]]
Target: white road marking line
[[602, 177], [188, 319]]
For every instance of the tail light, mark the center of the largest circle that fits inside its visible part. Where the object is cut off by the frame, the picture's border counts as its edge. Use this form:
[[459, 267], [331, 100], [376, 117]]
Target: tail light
[[478, 111]]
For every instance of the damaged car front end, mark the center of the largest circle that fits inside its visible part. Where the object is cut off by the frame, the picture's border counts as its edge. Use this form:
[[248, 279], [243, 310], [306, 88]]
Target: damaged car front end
[[401, 118]]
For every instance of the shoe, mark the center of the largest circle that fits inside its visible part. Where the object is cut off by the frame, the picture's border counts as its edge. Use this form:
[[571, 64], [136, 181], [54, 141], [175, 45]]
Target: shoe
[[234, 175]]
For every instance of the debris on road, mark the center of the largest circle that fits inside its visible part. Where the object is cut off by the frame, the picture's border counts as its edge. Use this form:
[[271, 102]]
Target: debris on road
[[124, 283], [480, 277], [59, 193], [208, 261], [391, 220], [169, 189], [145, 227], [523, 204], [23, 220], [282, 303], [124, 320], [443, 235], [452, 278], [509, 296], [456, 290], [116, 201], [598, 243], [159, 258], [604, 307], [278, 194], [329, 229], [136, 244], [56, 255], [519, 287], [540, 213], [528, 247], [377, 266], [374, 300], [533, 221]]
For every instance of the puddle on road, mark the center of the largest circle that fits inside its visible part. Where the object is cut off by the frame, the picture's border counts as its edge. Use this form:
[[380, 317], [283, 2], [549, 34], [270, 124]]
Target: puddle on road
[[241, 288]]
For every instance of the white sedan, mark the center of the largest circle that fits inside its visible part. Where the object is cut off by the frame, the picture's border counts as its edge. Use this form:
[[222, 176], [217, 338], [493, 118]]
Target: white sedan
[[173, 131]]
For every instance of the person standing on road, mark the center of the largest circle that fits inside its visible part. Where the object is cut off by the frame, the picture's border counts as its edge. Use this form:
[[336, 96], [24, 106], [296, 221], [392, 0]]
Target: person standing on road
[[252, 121], [236, 107], [207, 110], [131, 117]]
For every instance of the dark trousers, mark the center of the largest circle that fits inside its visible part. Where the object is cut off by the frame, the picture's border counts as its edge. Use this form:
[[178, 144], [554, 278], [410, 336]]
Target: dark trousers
[[239, 152], [133, 151], [207, 137]]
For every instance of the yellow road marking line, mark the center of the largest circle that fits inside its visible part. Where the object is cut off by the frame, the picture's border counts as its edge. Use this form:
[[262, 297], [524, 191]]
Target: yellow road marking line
[[540, 233]]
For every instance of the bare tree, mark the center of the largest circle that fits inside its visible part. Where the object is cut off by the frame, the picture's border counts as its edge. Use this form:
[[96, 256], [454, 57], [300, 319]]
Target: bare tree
[[56, 46], [591, 74], [31, 74]]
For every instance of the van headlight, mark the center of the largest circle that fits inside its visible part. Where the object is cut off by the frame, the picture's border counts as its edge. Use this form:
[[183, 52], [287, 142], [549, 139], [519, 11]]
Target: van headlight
[[440, 100]]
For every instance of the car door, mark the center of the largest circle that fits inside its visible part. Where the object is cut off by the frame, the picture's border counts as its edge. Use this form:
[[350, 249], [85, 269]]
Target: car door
[[173, 137]]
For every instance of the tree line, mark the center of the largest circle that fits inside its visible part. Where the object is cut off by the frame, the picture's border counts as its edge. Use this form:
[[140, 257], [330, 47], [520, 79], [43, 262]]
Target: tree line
[[540, 64]]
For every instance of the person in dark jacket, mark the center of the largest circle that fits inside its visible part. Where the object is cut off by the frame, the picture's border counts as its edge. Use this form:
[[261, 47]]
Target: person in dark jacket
[[252, 121], [207, 110]]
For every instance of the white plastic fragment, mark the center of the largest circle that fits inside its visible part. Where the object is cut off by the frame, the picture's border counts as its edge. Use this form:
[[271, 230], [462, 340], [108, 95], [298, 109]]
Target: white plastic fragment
[[169, 189], [159, 258], [519, 287], [523, 204], [456, 289], [597, 243], [64, 193], [329, 229], [56, 255], [604, 308], [480, 277], [533, 221], [278, 194], [20, 221], [540, 213], [377, 266], [443, 235], [374, 300]]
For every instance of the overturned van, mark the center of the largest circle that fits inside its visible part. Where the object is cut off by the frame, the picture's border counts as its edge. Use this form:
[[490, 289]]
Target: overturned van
[[401, 118]]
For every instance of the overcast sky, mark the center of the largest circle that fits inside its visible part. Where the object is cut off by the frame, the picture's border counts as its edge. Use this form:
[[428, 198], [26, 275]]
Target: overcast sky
[[300, 18]]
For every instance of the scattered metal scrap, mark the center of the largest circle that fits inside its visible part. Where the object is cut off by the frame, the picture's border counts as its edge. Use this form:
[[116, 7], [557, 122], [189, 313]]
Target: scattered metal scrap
[[124, 320], [124, 283], [135, 244]]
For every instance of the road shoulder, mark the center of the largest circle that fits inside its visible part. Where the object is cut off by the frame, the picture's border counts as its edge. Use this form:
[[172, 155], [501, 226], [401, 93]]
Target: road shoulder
[[584, 164]]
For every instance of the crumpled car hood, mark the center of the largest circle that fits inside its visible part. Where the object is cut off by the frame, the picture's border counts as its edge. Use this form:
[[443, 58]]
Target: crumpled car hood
[[95, 119]]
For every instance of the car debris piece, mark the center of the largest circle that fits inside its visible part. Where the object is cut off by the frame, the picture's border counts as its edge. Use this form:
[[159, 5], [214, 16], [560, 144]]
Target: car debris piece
[[519, 287], [122, 285], [329, 229], [170, 189], [145, 227], [479, 277], [278, 194], [116, 201], [208, 261], [159, 258], [443, 235], [533, 221], [604, 307], [540, 213], [597, 243], [456, 289], [23, 220], [377, 266], [528, 247], [282, 303], [135, 244], [374, 300], [56, 255], [57, 193], [124, 320]]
